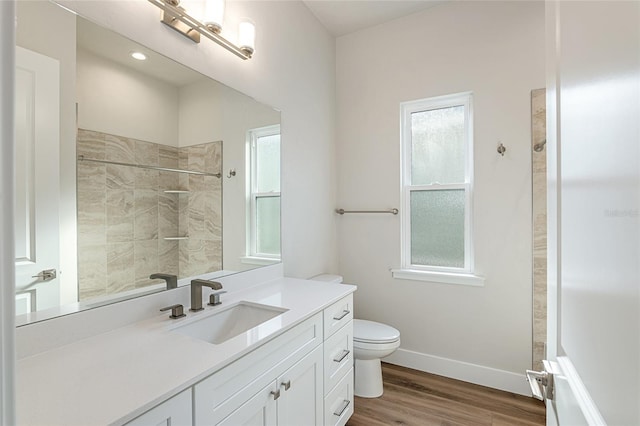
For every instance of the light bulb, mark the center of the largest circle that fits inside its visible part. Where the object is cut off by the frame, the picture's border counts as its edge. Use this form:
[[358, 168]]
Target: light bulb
[[247, 36], [213, 15], [139, 56]]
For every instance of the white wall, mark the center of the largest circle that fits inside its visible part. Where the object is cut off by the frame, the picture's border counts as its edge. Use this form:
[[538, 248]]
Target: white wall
[[210, 111], [120, 101], [495, 50], [292, 70]]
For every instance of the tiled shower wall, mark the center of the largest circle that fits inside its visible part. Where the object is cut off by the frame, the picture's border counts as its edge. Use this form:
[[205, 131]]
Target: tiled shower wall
[[126, 219], [539, 191]]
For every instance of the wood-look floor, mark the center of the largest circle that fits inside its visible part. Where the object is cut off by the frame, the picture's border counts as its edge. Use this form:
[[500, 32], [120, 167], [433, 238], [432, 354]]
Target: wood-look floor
[[413, 397]]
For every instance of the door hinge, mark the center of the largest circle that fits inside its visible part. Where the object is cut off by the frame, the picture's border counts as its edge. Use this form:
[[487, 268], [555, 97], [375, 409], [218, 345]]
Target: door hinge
[[541, 382]]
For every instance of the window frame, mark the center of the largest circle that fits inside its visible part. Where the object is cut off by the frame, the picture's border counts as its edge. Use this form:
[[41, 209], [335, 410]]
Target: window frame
[[428, 272], [253, 256]]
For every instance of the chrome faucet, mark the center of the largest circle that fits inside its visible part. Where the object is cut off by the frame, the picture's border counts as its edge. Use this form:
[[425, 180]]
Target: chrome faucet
[[196, 292], [172, 280]]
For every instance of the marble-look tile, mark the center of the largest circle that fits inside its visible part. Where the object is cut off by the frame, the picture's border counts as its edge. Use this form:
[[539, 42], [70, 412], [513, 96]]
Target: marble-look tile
[[90, 144], [146, 153], [91, 217], [168, 257], [196, 183], [145, 209], [169, 181], [539, 228], [196, 160], [168, 156], [183, 158], [92, 271], [120, 177], [213, 251], [120, 267], [212, 215], [168, 215], [146, 179], [213, 157], [145, 255], [183, 215], [91, 176], [539, 354], [120, 216], [120, 149], [196, 214]]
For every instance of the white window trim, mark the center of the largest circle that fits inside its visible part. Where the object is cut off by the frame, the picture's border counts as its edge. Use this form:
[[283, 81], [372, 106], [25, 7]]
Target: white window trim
[[253, 256], [465, 275]]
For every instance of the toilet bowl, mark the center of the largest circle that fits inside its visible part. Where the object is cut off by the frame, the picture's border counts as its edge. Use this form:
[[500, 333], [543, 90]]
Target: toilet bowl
[[371, 342]]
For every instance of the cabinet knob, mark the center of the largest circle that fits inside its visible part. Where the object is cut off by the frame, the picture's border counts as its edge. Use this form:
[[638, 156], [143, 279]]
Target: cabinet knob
[[276, 394], [286, 385]]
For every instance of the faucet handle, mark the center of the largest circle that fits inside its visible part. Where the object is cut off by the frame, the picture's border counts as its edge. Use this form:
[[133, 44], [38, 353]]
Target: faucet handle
[[177, 311], [214, 298]]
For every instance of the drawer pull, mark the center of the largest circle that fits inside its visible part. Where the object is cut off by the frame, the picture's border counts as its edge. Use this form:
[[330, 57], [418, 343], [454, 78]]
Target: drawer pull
[[276, 394], [342, 315], [342, 356], [286, 385], [342, 409]]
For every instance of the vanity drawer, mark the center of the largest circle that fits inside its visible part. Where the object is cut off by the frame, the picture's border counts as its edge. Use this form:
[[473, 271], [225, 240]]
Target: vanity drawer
[[338, 356], [337, 315], [338, 404]]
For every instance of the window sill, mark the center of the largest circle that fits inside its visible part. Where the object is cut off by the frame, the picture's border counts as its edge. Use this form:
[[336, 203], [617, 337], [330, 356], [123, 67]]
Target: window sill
[[438, 277], [262, 261]]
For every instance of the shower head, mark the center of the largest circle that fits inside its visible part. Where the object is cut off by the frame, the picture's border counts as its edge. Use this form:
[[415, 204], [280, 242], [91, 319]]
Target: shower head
[[539, 146]]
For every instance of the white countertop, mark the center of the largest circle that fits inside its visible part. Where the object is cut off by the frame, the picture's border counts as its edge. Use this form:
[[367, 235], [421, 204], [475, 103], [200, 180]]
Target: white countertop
[[114, 377]]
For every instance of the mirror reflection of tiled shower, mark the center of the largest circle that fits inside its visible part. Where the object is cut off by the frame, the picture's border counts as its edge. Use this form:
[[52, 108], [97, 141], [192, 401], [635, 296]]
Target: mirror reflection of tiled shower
[[539, 205]]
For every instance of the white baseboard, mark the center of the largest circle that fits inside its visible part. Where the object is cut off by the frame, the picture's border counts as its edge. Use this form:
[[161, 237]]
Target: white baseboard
[[459, 370]]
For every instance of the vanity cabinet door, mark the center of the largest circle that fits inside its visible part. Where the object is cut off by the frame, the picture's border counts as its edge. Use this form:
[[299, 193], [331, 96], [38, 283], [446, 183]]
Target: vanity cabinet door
[[173, 412], [258, 410], [301, 386]]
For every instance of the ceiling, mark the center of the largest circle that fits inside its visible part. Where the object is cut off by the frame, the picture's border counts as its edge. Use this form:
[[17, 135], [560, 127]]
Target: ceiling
[[342, 17]]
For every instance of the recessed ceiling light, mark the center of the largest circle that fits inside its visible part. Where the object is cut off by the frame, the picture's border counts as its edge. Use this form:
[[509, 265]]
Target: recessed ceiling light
[[139, 56]]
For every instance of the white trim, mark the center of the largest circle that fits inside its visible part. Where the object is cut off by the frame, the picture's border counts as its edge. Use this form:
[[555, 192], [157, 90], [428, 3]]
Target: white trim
[[262, 261], [7, 248], [438, 277], [252, 197], [585, 402], [460, 370], [406, 108]]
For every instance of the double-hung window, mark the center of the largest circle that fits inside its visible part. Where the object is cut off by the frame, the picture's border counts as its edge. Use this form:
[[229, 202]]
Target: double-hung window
[[263, 236], [437, 177]]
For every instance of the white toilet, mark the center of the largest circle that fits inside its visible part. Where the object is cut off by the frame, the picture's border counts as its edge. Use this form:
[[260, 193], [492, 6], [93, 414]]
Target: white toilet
[[371, 342]]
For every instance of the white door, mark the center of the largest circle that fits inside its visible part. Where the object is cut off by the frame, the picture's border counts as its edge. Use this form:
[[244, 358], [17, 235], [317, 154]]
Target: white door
[[37, 181], [593, 137]]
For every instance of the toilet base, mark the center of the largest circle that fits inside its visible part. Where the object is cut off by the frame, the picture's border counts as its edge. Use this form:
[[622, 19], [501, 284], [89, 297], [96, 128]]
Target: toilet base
[[368, 378]]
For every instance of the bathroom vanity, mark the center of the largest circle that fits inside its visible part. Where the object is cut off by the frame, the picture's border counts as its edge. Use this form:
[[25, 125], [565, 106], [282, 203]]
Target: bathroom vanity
[[294, 367]]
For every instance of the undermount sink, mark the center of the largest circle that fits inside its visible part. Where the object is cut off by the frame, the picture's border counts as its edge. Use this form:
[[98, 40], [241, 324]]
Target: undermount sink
[[230, 322]]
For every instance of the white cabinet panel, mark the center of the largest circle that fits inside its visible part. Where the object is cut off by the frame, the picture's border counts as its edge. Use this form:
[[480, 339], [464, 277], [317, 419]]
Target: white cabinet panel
[[338, 356], [258, 410], [337, 315], [338, 404], [301, 387], [176, 411]]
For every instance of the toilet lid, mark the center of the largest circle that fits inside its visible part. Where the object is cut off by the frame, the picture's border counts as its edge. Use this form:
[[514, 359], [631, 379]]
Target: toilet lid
[[373, 332]]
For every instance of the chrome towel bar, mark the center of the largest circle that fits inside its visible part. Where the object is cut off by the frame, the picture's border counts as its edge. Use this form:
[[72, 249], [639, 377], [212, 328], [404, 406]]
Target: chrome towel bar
[[343, 211]]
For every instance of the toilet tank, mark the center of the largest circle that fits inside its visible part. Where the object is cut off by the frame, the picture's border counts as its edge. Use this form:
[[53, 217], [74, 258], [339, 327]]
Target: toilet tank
[[327, 278]]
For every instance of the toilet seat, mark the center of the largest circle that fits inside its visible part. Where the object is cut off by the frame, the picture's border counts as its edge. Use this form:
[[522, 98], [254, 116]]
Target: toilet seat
[[372, 333]]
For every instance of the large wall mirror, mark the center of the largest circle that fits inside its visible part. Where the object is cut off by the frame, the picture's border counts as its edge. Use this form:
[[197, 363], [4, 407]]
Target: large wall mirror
[[129, 165]]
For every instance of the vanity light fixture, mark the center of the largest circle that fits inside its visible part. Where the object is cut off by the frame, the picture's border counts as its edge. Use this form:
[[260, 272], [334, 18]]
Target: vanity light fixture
[[210, 25]]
